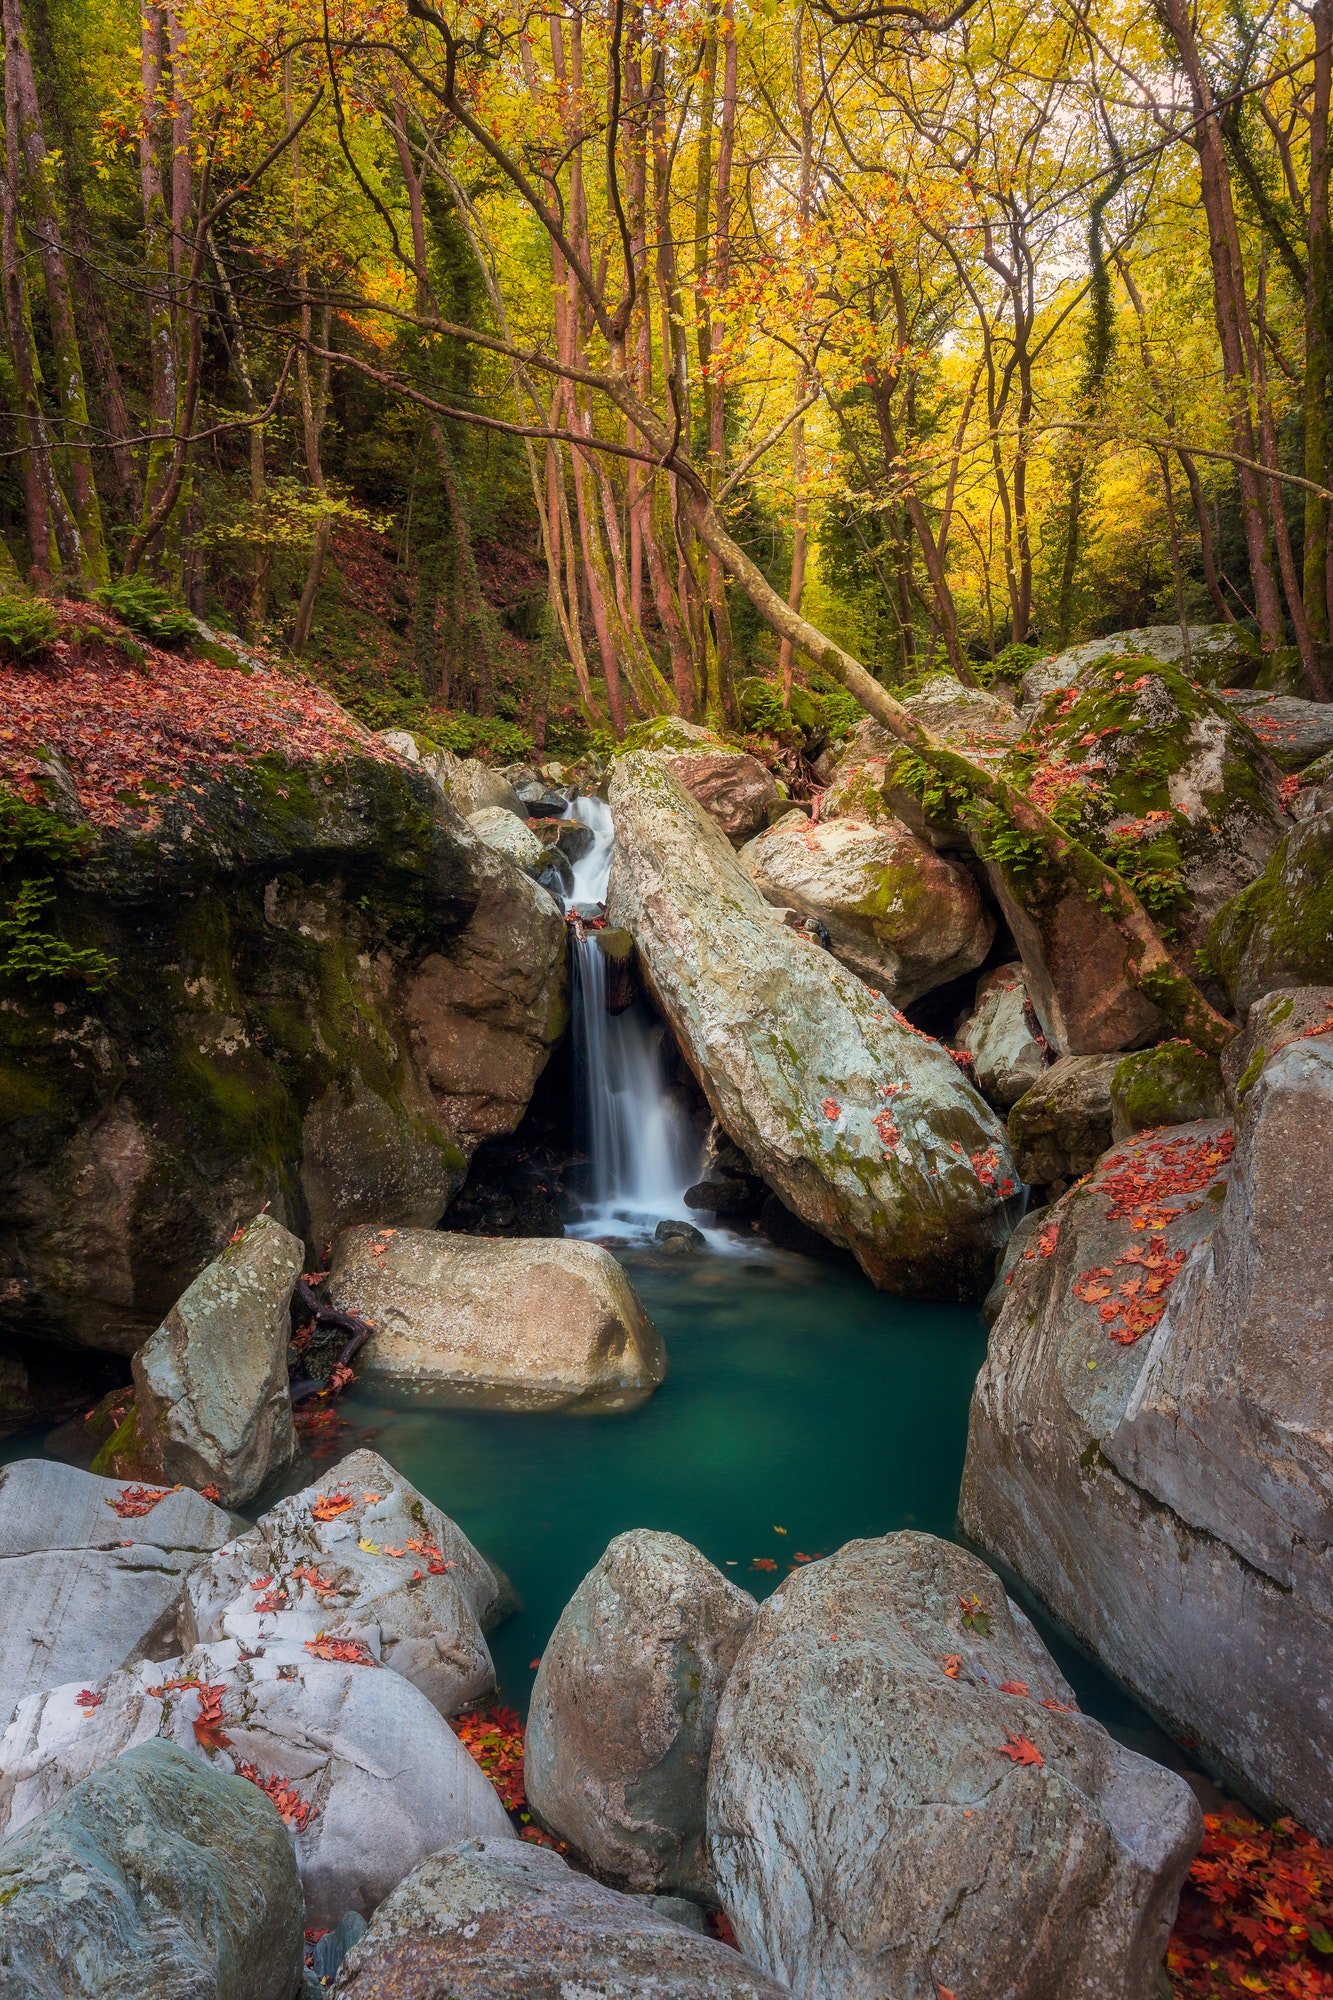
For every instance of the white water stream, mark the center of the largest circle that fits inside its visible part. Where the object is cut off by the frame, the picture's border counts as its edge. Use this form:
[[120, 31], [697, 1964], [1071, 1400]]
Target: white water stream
[[642, 1155]]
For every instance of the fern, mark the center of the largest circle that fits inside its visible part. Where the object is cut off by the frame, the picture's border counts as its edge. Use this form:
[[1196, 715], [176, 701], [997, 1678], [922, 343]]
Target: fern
[[30, 953], [149, 612]]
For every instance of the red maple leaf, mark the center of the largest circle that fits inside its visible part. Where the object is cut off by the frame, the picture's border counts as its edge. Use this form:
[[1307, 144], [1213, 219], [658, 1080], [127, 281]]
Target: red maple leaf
[[353, 1652], [134, 1501], [1014, 1687], [328, 1506], [1021, 1750], [208, 1728]]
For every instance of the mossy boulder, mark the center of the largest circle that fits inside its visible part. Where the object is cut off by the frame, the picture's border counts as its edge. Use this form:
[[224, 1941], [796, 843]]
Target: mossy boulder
[[325, 992], [1173, 1084], [1278, 932], [1220, 656]]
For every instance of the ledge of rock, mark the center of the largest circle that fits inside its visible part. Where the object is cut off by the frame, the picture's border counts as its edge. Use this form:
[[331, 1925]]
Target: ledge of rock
[[1060, 1127], [863, 1126]]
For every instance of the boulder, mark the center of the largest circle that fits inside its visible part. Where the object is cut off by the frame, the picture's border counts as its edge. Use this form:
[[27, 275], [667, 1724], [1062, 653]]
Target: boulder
[[1169, 785], [969, 718], [623, 1707], [520, 1324], [904, 1799], [1278, 932], [1025, 1244], [1219, 657], [861, 1124], [488, 1920], [897, 914], [1293, 732], [367, 1775], [360, 1552], [1173, 1084], [91, 1573], [214, 1406], [468, 784], [156, 1878], [1059, 1127], [507, 835], [1168, 1497], [1007, 1048], [865, 782], [571, 836], [734, 789], [328, 992], [681, 1238], [540, 800], [1288, 1015]]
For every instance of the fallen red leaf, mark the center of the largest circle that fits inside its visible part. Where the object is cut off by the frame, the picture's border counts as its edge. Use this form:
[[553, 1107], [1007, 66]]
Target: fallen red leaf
[[328, 1506], [295, 1810], [1014, 1687], [1022, 1752], [354, 1652], [208, 1728], [953, 1665], [135, 1501]]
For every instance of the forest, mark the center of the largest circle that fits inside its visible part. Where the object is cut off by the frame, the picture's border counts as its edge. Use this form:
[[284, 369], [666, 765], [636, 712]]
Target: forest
[[531, 374]]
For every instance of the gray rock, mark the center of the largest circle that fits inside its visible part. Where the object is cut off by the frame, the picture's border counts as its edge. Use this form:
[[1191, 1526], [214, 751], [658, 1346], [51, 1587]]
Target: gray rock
[[524, 1323], [682, 1233], [507, 835], [622, 1714], [374, 1778], [1294, 733], [897, 914], [1059, 1128], [388, 1562], [862, 1125], [1168, 1498], [86, 1589], [156, 1878], [504, 1920], [1023, 1245], [1289, 1015], [1219, 657], [1173, 1084], [969, 718], [470, 785], [735, 790], [871, 1829], [1278, 932], [540, 800], [1008, 1050], [211, 1385]]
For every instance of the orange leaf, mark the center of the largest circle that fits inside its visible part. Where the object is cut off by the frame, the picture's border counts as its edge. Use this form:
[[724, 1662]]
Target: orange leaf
[[1021, 1750]]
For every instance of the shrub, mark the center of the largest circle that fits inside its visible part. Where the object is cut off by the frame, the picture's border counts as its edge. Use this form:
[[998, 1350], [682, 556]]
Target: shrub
[[28, 625], [149, 611]]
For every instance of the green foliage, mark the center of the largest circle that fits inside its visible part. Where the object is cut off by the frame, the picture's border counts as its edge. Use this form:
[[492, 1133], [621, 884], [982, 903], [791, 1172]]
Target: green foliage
[[28, 625], [32, 830], [940, 798], [839, 711], [30, 953], [1018, 854], [486, 736], [149, 611]]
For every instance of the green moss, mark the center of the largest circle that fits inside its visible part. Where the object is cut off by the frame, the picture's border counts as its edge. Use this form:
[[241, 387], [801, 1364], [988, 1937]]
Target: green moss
[[125, 1454], [1279, 930], [1252, 1071], [1169, 1085]]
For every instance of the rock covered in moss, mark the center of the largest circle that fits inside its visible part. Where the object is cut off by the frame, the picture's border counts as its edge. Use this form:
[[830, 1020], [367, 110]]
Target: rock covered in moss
[[898, 915], [1059, 1127], [370, 1778], [359, 1551], [525, 1324], [861, 1124], [903, 1797], [92, 1573], [623, 1707], [1278, 932], [1220, 656], [489, 1920], [1151, 1445], [155, 1877], [327, 991], [213, 1397], [1173, 1084], [1001, 1035]]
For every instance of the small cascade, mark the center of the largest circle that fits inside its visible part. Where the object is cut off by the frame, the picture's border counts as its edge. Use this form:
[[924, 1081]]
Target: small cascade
[[641, 1154]]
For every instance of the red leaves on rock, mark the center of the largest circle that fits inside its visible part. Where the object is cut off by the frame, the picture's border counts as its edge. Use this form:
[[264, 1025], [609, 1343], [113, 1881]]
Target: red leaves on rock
[[1135, 1184], [888, 1131], [274, 1600], [1047, 1237], [328, 1506], [832, 1108], [1020, 1750], [88, 1700], [208, 1728], [493, 1738], [211, 1492], [295, 1810], [132, 1502], [1014, 1687], [953, 1666], [1133, 1307], [308, 1573], [1256, 1914], [352, 1652], [421, 1545]]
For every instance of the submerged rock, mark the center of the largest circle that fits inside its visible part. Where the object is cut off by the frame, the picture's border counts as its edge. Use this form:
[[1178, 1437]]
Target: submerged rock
[[904, 1799], [1008, 1050], [1168, 1497], [368, 1776], [1279, 931], [862, 1125], [897, 914], [214, 1404], [91, 1573], [328, 991], [522, 1324], [156, 1878], [623, 1708], [360, 1552], [1060, 1127], [491, 1920]]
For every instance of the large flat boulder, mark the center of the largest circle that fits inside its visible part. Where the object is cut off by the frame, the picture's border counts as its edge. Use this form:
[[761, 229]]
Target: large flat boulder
[[861, 1124], [214, 1404], [898, 915], [156, 1878], [621, 1721], [528, 1323], [367, 1775], [489, 1920], [1278, 932], [969, 718], [904, 1799], [1168, 1497], [92, 1573], [360, 1553]]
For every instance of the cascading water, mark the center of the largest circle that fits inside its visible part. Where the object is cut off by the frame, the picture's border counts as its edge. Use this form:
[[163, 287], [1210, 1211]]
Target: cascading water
[[641, 1155]]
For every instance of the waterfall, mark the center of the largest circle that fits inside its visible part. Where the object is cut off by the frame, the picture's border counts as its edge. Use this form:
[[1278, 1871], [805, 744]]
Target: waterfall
[[641, 1154]]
